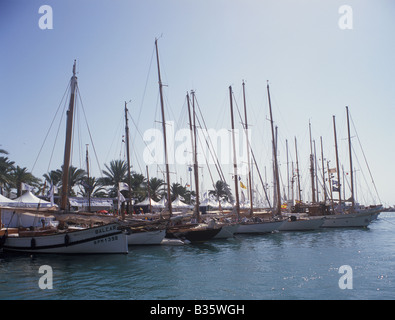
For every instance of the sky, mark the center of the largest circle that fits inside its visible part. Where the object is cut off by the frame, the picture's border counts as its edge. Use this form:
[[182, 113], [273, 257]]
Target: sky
[[316, 56]]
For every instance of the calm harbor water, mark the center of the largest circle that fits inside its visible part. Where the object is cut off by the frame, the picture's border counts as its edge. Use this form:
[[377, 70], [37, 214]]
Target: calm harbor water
[[283, 265]]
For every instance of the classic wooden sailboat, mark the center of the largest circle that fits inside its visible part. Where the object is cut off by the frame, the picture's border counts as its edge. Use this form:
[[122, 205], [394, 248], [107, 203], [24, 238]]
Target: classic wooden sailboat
[[248, 225], [140, 233], [340, 215], [194, 232], [105, 237]]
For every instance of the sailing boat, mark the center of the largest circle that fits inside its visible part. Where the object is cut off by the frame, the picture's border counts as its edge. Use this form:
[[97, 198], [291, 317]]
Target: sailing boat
[[140, 232], [252, 225], [350, 216], [339, 215], [193, 232], [297, 222], [105, 237]]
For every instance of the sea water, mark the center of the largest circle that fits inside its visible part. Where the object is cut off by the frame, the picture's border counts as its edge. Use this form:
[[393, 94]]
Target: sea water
[[325, 264]]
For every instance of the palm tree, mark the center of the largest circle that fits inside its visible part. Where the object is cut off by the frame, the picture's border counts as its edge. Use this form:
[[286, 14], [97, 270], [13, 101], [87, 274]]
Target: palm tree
[[138, 184], [179, 190], [6, 168], [221, 191], [20, 175], [116, 172], [91, 186], [157, 188]]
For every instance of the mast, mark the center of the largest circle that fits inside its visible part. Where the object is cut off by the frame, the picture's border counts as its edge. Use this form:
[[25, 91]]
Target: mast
[[323, 169], [248, 153], [69, 133], [312, 168], [234, 155], [297, 170], [89, 187], [164, 131], [192, 126], [337, 162], [128, 161], [351, 169], [149, 192], [278, 200]]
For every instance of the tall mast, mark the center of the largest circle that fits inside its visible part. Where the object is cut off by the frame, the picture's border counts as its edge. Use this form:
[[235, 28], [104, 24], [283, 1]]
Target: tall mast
[[234, 155], [192, 126], [248, 153], [297, 170], [351, 168], [128, 161], [278, 200], [323, 169], [69, 133], [312, 168], [164, 131], [337, 162], [89, 186], [149, 192]]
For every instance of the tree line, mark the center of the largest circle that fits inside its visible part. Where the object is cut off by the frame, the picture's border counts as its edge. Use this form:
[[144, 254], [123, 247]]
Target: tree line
[[12, 176]]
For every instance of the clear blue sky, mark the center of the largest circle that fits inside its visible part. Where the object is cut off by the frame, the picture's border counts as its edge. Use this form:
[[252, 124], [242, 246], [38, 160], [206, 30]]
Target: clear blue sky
[[314, 68]]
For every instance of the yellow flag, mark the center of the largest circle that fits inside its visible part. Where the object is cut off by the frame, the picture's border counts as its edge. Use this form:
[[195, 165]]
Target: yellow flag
[[242, 185]]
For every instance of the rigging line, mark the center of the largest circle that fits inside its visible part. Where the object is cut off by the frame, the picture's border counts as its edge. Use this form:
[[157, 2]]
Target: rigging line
[[253, 156], [215, 156], [57, 133], [366, 162], [146, 83], [90, 135], [50, 127]]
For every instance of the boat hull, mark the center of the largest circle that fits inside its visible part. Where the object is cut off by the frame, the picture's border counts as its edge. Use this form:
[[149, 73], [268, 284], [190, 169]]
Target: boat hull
[[351, 220], [227, 231], [193, 235], [302, 224], [259, 227], [152, 237], [97, 240]]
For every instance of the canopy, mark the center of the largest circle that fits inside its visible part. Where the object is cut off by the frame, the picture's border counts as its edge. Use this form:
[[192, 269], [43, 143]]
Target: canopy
[[178, 204], [5, 202], [29, 200], [146, 202]]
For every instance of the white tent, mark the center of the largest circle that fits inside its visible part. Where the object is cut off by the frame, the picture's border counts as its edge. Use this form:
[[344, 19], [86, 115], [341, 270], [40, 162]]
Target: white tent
[[178, 204], [146, 202], [29, 200], [5, 202]]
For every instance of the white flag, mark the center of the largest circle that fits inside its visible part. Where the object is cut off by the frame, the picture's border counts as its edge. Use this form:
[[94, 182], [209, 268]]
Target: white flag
[[123, 186], [121, 199], [25, 186]]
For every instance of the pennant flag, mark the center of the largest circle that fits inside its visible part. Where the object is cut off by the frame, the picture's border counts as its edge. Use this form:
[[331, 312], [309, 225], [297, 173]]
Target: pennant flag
[[284, 206], [333, 170], [123, 186], [335, 189], [335, 182], [25, 186], [242, 185]]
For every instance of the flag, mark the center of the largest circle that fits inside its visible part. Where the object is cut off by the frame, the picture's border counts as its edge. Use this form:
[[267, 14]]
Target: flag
[[335, 189], [121, 199], [284, 206], [123, 186], [52, 190], [335, 182], [189, 168], [25, 186], [242, 185]]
